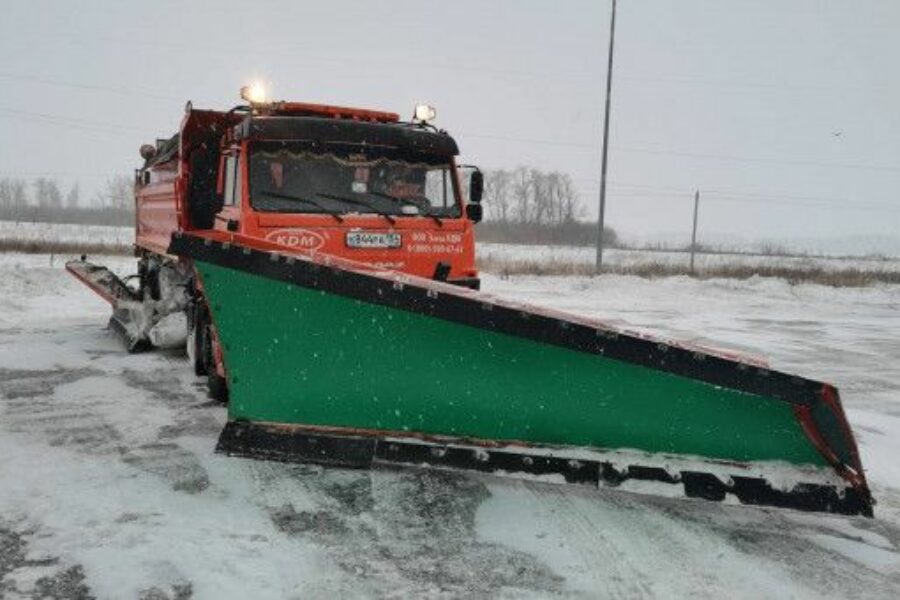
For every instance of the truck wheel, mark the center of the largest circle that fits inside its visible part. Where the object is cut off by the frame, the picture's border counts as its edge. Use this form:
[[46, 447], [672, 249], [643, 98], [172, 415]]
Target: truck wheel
[[218, 387], [198, 341], [150, 280]]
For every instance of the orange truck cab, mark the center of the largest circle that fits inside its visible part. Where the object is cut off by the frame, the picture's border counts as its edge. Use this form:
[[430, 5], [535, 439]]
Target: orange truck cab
[[355, 183]]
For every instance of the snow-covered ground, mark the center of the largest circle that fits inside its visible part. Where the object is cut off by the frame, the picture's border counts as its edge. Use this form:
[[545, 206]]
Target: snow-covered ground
[[66, 232], [109, 485], [500, 254], [839, 245]]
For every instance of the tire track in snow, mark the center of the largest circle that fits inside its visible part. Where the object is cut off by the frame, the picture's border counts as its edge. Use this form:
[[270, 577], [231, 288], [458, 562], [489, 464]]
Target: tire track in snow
[[25, 576], [631, 545], [38, 402], [786, 540], [398, 532], [609, 567], [30, 407]]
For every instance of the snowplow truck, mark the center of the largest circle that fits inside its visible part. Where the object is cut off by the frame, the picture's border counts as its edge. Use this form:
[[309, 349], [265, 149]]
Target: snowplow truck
[[318, 264]]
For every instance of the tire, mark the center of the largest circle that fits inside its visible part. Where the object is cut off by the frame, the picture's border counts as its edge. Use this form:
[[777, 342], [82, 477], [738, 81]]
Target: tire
[[217, 387], [205, 362], [151, 281], [198, 341], [200, 344]]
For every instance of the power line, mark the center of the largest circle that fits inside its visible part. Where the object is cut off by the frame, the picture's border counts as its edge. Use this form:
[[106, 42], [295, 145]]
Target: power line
[[852, 206], [797, 198], [514, 139], [686, 190], [652, 151], [88, 87], [302, 54], [780, 87], [503, 138], [65, 174], [750, 159], [633, 189], [684, 196], [71, 122]]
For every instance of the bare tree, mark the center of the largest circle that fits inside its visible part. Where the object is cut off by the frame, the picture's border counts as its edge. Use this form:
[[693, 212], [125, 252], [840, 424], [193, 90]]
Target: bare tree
[[41, 187], [72, 198], [19, 193], [117, 193], [530, 196], [522, 188], [48, 198], [6, 197], [113, 205], [13, 198], [563, 204], [530, 206], [540, 197], [497, 188], [54, 195]]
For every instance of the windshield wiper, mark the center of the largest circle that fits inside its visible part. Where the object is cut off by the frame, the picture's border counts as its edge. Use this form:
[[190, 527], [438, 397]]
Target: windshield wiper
[[357, 202], [324, 208], [408, 203]]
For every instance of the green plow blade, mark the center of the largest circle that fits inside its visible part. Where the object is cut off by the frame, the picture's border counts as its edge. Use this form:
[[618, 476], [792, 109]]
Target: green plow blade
[[329, 362]]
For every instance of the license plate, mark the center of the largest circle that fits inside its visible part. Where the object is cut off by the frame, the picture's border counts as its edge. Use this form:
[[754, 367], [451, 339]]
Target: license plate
[[365, 239]]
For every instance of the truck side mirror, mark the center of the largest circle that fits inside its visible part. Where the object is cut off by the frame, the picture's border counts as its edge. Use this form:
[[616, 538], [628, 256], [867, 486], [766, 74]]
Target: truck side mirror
[[476, 187], [474, 212]]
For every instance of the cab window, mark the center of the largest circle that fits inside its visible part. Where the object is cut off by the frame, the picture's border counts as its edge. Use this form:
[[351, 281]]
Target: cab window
[[232, 181]]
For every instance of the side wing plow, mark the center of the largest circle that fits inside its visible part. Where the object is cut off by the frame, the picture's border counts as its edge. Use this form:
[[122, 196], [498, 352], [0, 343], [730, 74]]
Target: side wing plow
[[129, 318]]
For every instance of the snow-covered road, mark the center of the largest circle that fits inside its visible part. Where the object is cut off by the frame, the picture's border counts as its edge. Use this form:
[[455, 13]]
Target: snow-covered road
[[109, 486]]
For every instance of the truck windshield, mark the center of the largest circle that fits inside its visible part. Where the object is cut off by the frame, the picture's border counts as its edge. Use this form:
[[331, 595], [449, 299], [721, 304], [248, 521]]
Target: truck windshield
[[355, 180]]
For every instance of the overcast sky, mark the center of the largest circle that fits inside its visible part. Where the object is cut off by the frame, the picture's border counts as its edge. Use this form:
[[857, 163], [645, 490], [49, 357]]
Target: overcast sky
[[784, 113]]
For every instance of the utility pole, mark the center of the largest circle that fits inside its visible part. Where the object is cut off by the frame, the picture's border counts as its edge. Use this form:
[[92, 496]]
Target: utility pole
[[694, 232], [609, 72]]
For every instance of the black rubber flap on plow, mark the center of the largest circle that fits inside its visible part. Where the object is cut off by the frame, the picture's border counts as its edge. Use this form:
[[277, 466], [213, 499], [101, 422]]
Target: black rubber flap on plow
[[240, 438], [119, 322], [303, 445]]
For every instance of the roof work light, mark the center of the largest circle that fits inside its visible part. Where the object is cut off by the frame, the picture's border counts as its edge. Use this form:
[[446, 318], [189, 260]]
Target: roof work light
[[424, 113], [255, 93]]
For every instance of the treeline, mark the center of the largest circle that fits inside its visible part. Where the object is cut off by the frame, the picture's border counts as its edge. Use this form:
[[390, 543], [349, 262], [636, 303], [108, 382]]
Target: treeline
[[529, 206], [567, 234], [43, 200]]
